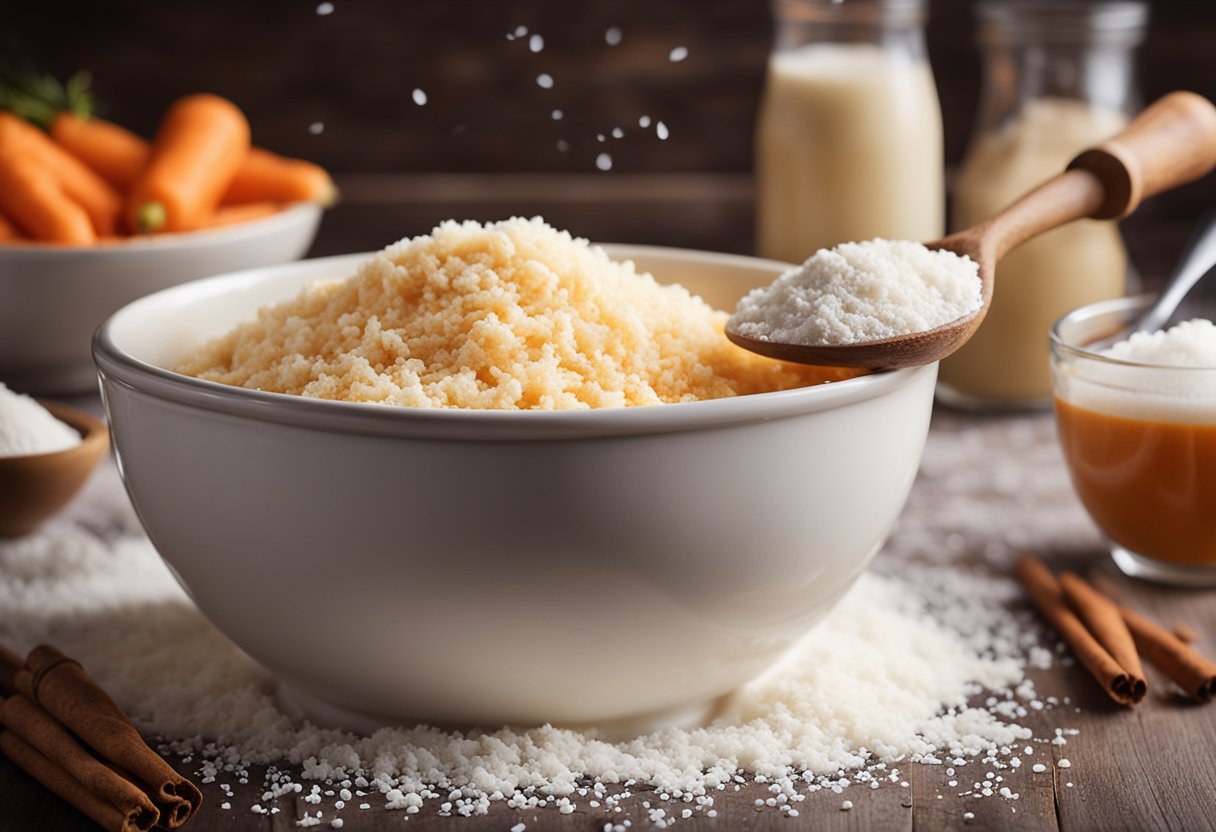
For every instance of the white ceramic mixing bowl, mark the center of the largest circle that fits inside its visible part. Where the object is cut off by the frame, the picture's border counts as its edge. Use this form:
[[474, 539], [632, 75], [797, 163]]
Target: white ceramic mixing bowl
[[478, 567], [52, 298]]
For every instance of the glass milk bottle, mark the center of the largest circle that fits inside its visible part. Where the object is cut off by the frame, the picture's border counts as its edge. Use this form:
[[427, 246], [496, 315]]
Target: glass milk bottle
[[1058, 77], [849, 139]]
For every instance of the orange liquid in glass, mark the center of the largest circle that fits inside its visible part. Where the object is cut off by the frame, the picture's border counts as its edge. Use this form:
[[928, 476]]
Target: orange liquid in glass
[[1150, 486]]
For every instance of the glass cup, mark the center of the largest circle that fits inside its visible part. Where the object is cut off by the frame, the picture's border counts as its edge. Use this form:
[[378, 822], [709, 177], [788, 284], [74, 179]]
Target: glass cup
[[1140, 444]]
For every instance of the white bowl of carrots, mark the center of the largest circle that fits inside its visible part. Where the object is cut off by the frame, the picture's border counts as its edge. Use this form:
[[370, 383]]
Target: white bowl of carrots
[[93, 217]]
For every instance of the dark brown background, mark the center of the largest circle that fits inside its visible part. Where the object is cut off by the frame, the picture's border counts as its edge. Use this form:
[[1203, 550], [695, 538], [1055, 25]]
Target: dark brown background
[[485, 146], [402, 168]]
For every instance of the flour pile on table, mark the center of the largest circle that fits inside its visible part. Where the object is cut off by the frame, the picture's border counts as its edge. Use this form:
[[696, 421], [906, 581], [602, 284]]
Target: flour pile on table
[[879, 681]]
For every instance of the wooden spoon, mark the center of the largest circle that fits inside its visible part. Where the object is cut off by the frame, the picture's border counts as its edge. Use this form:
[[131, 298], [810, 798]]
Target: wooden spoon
[[35, 486], [1169, 144]]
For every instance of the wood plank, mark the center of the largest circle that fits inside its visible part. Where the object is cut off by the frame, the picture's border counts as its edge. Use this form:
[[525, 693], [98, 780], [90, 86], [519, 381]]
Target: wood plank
[[712, 211], [354, 70], [712, 216], [940, 806], [1153, 764], [26, 805], [513, 188]]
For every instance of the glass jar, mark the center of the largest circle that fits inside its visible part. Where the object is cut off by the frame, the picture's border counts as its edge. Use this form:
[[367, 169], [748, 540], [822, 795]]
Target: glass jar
[[1058, 77], [1139, 440], [849, 137]]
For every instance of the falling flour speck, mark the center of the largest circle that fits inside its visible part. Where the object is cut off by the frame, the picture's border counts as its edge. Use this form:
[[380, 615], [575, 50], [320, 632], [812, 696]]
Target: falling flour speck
[[536, 43], [544, 81], [618, 133], [603, 161], [316, 128], [557, 115], [661, 131], [325, 8], [644, 122], [612, 36], [419, 97], [563, 145], [678, 54]]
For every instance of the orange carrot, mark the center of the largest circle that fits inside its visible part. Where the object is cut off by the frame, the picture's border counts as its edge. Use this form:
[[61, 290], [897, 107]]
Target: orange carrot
[[246, 211], [201, 143], [114, 153], [31, 195], [118, 155], [269, 177], [101, 202], [9, 233]]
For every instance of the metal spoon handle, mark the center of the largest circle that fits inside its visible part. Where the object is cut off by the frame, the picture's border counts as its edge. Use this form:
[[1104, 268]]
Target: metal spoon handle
[[1198, 258]]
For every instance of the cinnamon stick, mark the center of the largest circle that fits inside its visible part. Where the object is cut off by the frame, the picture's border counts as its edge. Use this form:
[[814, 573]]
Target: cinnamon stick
[[66, 692], [48, 752], [10, 663], [1183, 664], [1102, 618], [1185, 633], [1049, 598], [1101, 581]]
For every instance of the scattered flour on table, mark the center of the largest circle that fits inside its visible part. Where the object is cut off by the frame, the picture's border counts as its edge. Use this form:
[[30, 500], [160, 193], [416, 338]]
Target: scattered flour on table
[[892, 676], [861, 292], [27, 427]]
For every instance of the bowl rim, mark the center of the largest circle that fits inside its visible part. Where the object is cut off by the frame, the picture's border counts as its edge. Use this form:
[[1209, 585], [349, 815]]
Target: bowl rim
[[1111, 306], [117, 367], [298, 213]]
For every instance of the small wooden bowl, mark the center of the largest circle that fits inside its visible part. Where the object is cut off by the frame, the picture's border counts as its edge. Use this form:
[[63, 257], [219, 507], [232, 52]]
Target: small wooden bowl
[[35, 486]]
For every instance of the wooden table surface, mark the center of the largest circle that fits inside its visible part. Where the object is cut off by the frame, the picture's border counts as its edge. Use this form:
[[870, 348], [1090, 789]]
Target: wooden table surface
[[1149, 768]]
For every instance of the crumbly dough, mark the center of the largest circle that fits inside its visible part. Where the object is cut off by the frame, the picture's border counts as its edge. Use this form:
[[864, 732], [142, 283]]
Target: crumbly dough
[[514, 315]]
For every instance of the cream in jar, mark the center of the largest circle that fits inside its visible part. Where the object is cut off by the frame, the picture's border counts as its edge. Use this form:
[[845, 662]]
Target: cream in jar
[[848, 147]]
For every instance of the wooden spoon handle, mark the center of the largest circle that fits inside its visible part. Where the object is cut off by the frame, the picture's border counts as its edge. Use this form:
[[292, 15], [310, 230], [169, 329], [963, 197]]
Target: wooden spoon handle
[[1171, 143]]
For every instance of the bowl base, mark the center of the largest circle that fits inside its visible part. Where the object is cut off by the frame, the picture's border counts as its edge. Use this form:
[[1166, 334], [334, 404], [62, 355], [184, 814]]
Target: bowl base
[[1138, 566], [299, 704]]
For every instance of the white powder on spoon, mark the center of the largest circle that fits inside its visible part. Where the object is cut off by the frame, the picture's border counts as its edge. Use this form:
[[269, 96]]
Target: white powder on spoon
[[861, 292], [27, 427]]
